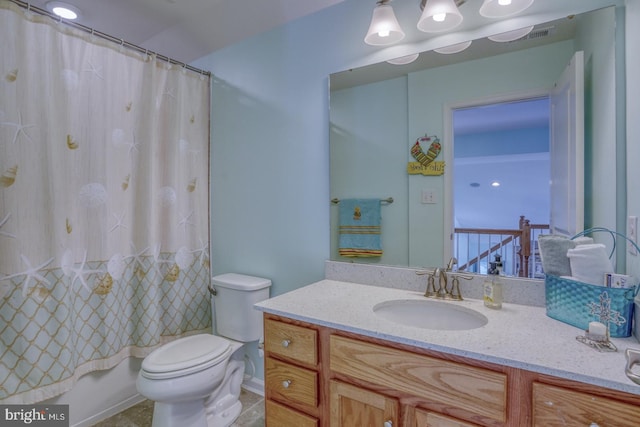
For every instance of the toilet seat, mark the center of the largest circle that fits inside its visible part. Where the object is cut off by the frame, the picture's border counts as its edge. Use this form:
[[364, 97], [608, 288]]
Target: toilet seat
[[185, 356]]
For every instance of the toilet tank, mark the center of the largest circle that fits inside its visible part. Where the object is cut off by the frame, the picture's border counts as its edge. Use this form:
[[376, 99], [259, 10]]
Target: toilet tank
[[233, 305]]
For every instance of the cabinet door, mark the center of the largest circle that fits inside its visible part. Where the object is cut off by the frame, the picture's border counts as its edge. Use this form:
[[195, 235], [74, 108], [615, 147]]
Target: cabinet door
[[431, 419], [559, 407], [353, 406]]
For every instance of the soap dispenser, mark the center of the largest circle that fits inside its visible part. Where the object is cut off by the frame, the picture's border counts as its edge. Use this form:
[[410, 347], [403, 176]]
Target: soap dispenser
[[498, 260], [492, 294]]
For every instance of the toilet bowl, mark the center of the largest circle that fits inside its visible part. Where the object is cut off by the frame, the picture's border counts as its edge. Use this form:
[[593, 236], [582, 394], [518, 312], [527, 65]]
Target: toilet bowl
[[182, 375], [195, 381]]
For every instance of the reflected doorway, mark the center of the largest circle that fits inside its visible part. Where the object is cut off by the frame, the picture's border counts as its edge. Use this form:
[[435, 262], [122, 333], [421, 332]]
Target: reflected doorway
[[501, 171]]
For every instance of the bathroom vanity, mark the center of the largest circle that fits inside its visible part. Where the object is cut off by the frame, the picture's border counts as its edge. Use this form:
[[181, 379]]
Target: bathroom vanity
[[330, 360]]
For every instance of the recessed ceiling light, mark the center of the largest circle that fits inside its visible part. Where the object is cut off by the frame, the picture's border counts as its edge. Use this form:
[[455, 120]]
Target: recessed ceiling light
[[63, 10]]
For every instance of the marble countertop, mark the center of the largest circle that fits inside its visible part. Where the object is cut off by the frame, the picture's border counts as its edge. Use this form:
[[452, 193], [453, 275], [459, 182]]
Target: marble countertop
[[519, 336]]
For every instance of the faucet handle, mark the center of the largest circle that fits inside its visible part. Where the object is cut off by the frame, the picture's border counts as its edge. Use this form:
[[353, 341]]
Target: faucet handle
[[455, 289], [455, 293], [452, 261], [431, 287]]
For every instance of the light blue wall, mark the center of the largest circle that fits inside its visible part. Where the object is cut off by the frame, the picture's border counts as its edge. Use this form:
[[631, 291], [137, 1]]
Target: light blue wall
[[368, 160], [270, 205]]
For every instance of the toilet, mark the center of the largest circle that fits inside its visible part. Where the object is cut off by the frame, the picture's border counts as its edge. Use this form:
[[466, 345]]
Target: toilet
[[195, 381]]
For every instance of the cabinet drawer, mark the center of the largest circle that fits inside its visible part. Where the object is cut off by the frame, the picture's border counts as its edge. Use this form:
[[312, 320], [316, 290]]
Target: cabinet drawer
[[278, 415], [555, 406], [476, 390], [432, 419], [288, 383], [291, 341]]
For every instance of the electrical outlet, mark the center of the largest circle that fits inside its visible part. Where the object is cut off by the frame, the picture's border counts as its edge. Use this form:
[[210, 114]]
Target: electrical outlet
[[428, 196], [632, 234]]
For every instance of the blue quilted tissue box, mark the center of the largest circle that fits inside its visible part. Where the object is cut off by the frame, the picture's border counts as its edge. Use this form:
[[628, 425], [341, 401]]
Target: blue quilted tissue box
[[578, 303]]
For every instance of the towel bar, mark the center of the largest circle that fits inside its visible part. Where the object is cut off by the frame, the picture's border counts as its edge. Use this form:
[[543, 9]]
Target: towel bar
[[388, 200]]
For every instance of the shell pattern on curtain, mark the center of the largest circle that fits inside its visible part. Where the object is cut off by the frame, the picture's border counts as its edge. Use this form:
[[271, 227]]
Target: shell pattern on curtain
[[104, 157]]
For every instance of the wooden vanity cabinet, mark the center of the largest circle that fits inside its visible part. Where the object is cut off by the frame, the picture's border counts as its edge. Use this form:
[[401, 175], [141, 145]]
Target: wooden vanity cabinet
[[320, 377]]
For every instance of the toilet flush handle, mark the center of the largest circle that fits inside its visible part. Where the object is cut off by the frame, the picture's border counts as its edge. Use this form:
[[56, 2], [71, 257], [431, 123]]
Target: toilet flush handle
[[212, 290]]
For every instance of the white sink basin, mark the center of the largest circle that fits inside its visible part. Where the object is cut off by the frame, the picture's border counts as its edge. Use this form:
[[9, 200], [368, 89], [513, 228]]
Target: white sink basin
[[430, 314]]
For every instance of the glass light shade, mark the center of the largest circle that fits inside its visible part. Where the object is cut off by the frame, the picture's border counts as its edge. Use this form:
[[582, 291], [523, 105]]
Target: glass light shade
[[510, 36], [384, 28], [408, 59], [439, 15], [502, 8], [454, 48]]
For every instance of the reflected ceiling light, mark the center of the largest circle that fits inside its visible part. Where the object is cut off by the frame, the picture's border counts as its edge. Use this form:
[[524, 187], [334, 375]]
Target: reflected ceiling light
[[384, 28], [439, 15], [495, 184], [510, 36], [63, 10], [454, 48], [503, 8], [408, 59]]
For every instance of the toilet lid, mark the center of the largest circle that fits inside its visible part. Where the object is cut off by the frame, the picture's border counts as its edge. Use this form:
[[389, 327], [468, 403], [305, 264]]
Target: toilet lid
[[187, 353]]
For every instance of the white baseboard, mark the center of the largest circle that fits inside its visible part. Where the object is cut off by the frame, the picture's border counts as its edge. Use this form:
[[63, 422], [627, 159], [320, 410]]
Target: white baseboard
[[109, 412], [254, 385]]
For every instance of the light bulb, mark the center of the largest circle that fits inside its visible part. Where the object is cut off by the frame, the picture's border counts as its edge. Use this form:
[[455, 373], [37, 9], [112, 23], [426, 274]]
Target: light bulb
[[65, 13], [439, 17], [504, 2], [383, 33]]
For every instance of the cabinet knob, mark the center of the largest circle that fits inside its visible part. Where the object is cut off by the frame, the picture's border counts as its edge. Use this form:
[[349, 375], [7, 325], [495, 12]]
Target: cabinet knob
[[594, 425], [286, 383], [388, 423], [285, 343]]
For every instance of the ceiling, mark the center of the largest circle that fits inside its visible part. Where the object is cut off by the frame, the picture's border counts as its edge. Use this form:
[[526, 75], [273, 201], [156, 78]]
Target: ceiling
[[186, 30]]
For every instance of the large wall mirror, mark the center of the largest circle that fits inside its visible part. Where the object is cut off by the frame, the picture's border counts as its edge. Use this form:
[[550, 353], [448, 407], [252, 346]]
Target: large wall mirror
[[378, 112]]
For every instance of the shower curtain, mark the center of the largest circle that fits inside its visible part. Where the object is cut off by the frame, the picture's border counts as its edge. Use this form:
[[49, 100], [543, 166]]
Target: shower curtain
[[104, 156]]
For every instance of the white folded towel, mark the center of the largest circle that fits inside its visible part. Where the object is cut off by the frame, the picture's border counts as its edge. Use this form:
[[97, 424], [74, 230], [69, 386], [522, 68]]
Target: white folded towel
[[589, 263]]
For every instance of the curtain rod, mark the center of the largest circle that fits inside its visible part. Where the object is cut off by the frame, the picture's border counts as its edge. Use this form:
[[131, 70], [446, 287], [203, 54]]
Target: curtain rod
[[105, 36]]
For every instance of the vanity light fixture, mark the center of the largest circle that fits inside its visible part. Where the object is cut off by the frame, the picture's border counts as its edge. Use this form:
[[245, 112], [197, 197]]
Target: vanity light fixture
[[454, 48], [510, 36], [63, 10], [384, 28], [439, 15], [408, 59], [503, 8]]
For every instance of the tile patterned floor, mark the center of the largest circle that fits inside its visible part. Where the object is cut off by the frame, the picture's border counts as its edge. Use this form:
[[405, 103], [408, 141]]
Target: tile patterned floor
[[141, 414]]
